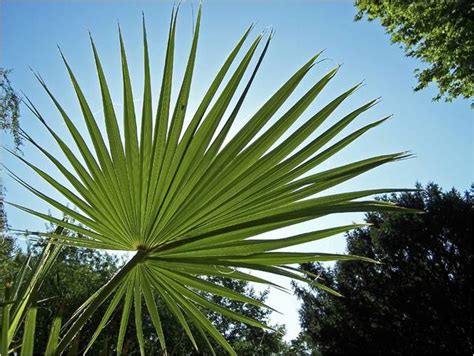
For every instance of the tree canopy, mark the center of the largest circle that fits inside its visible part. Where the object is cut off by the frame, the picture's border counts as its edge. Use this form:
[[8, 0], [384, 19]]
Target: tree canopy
[[440, 33], [418, 300]]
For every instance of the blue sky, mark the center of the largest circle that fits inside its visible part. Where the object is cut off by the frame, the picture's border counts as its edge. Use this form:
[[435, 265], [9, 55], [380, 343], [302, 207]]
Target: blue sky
[[439, 134]]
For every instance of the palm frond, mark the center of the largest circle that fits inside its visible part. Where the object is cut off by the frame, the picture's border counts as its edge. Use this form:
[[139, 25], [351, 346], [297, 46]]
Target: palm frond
[[188, 202]]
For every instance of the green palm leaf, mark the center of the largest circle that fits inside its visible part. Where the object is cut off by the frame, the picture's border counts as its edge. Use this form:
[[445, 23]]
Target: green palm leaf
[[19, 304], [186, 201]]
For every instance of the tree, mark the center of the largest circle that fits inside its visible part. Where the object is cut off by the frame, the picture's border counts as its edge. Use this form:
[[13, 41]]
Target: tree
[[301, 346], [418, 300], [9, 107], [439, 33]]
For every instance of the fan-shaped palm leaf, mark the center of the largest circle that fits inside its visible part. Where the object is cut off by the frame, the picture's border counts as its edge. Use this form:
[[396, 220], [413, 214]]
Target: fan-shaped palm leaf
[[186, 201]]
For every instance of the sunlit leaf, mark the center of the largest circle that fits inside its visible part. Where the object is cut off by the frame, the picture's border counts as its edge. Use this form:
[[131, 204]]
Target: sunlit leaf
[[190, 199]]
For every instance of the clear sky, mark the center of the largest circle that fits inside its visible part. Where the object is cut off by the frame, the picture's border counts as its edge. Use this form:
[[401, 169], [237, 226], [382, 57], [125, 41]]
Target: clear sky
[[440, 134]]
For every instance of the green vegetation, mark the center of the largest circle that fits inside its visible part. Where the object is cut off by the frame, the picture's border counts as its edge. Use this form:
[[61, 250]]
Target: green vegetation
[[20, 297], [78, 273], [187, 204], [439, 33], [418, 301]]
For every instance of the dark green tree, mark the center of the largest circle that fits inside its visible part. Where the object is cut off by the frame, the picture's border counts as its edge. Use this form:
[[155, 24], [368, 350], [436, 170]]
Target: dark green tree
[[439, 33], [418, 300], [301, 346]]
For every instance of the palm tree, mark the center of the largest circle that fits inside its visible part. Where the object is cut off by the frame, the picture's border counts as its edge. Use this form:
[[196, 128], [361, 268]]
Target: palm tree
[[186, 202]]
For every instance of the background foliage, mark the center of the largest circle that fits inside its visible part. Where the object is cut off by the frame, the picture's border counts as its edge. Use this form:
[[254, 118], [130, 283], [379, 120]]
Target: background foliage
[[439, 33], [419, 300]]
